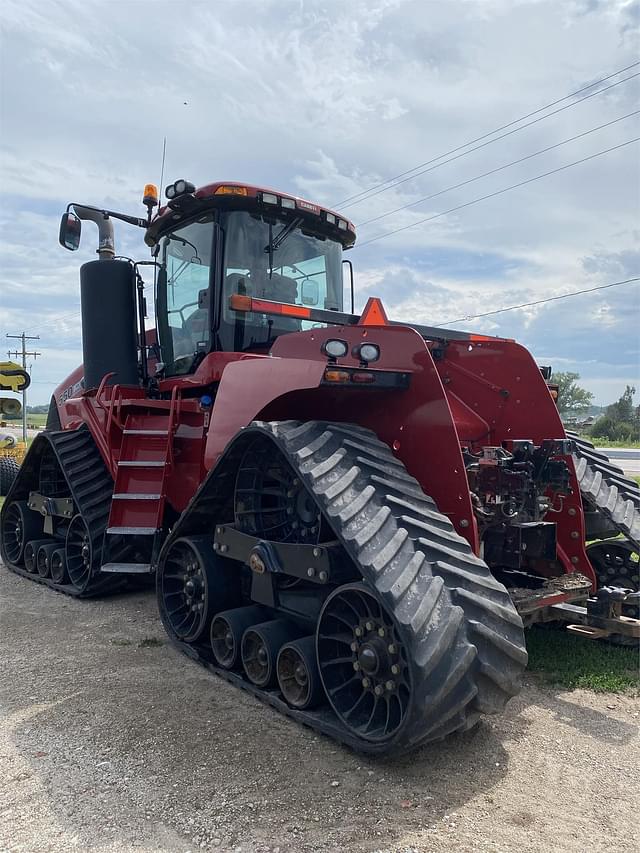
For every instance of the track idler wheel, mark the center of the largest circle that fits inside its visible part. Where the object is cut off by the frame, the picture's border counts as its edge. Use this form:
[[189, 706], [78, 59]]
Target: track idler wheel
[[226, 633], [20, 525], [31, 554], [193, 583], [363, 663], [298, 674], [43, 558], [260, 646], [616, 563], [59, 565]]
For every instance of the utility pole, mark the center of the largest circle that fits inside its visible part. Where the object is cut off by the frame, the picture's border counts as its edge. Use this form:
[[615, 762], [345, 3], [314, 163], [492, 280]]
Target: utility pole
[[24, 338]]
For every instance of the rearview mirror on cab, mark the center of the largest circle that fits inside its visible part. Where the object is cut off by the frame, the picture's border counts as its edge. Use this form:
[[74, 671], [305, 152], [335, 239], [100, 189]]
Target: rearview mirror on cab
[[310, 292], [70, 230]]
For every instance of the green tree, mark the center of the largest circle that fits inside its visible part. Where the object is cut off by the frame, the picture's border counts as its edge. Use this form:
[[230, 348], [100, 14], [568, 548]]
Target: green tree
[[572, 399], [622, 410]]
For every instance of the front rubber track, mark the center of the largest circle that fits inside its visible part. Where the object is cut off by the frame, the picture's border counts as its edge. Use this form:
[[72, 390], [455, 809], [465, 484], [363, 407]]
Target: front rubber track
[[462, 633], [88, 483], [604, 486]]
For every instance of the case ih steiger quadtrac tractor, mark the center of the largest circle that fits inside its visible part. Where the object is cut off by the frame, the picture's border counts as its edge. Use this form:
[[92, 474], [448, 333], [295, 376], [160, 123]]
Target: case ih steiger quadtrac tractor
[[347, 516]]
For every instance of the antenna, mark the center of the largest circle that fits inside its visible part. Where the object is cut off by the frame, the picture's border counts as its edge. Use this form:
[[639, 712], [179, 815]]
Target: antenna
[[164, 154]]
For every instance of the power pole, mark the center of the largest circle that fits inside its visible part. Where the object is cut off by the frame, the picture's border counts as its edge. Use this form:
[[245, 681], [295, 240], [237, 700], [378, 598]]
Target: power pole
[[24, 338]]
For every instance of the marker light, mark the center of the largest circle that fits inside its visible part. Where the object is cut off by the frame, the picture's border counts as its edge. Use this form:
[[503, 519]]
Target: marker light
[[335, 348], [367, 352], [228, 189], [339, 376]]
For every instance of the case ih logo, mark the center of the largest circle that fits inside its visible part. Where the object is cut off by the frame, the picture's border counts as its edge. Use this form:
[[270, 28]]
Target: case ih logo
[[306, 205]]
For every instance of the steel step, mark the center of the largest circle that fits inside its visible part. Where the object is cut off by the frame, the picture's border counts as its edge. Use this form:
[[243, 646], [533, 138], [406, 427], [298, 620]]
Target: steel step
[[133, 531], [129, 464], [127, 568], [145, 432], [125, 496]]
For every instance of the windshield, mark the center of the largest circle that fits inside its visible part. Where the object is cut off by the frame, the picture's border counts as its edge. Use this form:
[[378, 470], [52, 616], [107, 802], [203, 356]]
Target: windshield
[[183, 303], [275, 259]]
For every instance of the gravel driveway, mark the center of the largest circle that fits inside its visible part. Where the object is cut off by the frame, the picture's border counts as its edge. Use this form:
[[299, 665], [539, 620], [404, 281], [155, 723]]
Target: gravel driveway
[[111, 743]]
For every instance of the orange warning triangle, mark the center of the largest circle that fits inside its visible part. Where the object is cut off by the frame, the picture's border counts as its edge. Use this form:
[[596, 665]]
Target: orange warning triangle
[[373, 314]]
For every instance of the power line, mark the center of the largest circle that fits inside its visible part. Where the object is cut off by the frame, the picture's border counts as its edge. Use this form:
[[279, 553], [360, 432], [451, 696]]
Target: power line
[[497, 193], [540, 301], [396, 179], [498, 169]]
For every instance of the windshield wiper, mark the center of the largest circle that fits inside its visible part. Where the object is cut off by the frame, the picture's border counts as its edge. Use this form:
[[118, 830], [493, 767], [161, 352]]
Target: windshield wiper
[[277, 241]]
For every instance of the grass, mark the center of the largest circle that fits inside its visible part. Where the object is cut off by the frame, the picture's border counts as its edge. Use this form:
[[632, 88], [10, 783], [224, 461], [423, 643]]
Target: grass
[[150, 643], [608, 442], [635, 477], [563, 659]]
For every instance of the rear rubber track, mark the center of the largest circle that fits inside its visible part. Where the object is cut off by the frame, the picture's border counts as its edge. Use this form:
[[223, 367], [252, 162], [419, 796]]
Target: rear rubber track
[[604, 486], [459, 627], [89, 485]]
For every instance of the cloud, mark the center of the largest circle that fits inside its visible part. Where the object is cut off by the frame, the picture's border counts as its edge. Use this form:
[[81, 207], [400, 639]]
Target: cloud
[[326, 100]]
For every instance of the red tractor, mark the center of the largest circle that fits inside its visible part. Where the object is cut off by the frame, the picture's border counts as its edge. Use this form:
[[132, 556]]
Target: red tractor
[[349, 517]]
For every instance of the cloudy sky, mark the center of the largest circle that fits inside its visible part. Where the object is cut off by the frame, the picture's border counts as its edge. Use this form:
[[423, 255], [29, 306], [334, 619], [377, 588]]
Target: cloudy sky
[[326, 100]]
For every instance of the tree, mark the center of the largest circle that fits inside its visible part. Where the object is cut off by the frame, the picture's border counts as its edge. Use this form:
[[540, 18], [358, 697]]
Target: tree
[[572, 399], [622, 410]]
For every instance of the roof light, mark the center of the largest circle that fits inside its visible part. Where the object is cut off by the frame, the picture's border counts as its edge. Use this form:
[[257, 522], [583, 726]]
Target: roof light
[[229, 189], [331, 219], [288, 203], [367, 352], [180, 187], [269, 198], [362, 378], [342, 225], [335, 348]]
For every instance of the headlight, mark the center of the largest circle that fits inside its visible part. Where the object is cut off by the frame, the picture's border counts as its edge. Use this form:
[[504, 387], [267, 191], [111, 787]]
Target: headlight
[[367, 352], [335, 348]]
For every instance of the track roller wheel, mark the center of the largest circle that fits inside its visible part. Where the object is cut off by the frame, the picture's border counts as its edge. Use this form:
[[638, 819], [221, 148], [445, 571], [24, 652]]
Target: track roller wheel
[[298, 675], [31, 554], [193, 583], [43, 558], [260, 646], [59, 565], [79, 553], [227, 629], [363, 663], [616, 563], [20, 525]]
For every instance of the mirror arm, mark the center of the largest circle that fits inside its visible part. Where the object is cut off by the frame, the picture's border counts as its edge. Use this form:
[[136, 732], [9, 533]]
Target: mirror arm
[[102, 218]]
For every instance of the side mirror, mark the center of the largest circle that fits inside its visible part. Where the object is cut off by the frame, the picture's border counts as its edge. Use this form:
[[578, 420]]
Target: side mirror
[[70, 230], [310, 292]]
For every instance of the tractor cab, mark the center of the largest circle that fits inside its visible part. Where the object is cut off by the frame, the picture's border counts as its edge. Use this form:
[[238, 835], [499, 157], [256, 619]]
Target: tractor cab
[[224, 242]]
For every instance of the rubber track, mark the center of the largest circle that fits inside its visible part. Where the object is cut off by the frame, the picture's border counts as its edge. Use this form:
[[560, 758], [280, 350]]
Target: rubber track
[[459, 626], [604, 485], [90, 485]]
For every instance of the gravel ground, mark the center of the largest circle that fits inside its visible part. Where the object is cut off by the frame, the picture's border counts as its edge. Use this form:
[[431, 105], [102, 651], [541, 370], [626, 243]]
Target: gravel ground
[[111, 743]]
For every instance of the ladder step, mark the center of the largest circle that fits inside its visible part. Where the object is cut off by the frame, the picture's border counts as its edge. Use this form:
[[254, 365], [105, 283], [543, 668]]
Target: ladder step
[[133, 531], [129, 464], [127, 568], [124, 496], [145, 432]]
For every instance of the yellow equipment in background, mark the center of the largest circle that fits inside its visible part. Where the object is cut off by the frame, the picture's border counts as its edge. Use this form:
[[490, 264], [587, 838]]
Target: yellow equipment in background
[[14, 378]]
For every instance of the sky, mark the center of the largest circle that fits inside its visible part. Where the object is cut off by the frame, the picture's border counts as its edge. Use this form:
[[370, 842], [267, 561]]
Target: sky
[[326, 100]]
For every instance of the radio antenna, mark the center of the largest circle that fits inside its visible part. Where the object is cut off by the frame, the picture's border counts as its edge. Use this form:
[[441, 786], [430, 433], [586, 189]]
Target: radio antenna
[[164, 154]]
